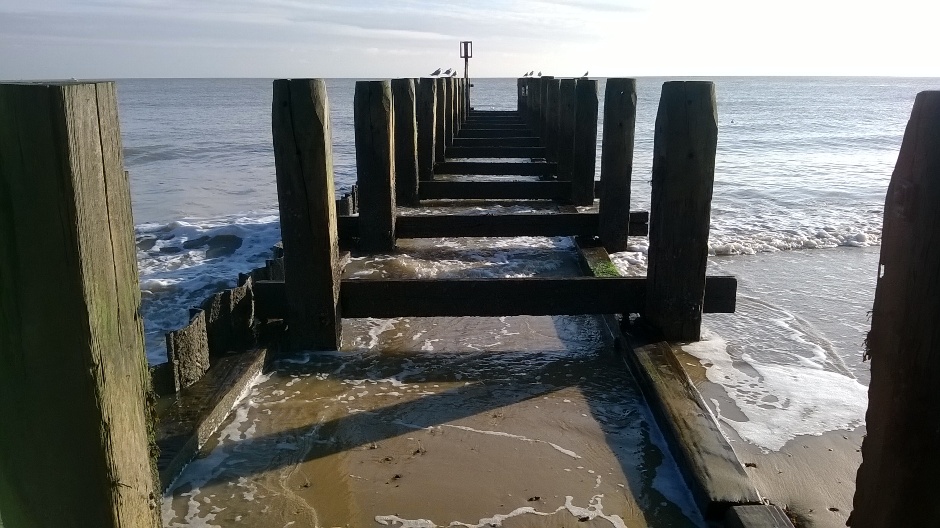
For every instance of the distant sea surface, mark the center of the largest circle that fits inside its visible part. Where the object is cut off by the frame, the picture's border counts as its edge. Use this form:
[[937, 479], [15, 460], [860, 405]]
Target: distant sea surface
[[803, 165]]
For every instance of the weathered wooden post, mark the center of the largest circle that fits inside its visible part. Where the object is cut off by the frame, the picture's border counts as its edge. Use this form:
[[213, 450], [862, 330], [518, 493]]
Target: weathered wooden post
[[448, 111], [552, 113], [521, 96], [585, 143], [303, 162], [617, 163], [896, 481], [529, 101], [440, 133], [75, 439], [684, 146], [406, 142], [374, 123], [544, 82], [536, 99], [567, 108], [426, 109]]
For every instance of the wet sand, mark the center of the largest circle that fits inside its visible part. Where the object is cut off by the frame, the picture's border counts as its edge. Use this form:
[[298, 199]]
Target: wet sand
[[515, 421]]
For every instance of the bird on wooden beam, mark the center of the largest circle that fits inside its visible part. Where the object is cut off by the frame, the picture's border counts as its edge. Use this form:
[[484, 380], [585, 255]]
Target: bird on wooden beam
[[436, 72], [447, 71], [540, 74], [585, 74], [525, 74], [531, 73], [454, 74]]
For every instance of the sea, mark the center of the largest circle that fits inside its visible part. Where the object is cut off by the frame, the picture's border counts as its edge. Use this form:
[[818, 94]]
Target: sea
[[802, 168]]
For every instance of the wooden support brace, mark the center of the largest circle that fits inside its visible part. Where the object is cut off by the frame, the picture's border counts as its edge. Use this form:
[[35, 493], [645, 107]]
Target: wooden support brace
[[375, 165]]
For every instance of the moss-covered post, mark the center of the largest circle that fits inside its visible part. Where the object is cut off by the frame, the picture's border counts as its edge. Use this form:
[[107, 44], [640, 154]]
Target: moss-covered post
[[303, 162], [374, 123], [684, 146], [617, 163], [76, 430], [896, 484]]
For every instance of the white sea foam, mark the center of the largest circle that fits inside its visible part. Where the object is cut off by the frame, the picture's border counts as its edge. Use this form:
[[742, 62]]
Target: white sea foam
[[781, 401]]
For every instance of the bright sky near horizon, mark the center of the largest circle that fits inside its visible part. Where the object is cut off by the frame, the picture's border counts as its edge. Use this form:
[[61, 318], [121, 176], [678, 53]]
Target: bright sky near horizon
[[44, 39]]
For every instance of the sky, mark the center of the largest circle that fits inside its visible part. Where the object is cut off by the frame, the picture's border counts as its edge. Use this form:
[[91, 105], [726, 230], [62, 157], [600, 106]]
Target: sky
[[55, 39]]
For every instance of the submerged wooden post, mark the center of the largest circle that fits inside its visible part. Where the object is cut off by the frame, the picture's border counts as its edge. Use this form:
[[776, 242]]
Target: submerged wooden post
[[75, 439], [303, 162], [426, 109], [552, 113], [567, 108], [896, 481], [440, 131], [680, 209], [544, 83], [617, 163], [585, 143], [374, 122], [406, 142]]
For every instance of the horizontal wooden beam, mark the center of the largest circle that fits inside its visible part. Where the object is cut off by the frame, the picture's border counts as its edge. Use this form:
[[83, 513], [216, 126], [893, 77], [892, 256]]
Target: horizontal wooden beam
[[494, 168], [501, 190], [485, 113], [493, 297], [504, 225], [520, 141], [489, 133], [495, 152], [495, 125]]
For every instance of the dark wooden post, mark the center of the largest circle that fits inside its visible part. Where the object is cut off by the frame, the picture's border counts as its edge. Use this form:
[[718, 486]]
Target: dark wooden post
[[567, 108], [374, 122], [552, 113], [585, 143], [448, 111], [896, 484], [617, 163], [520, 97], [529, 100], [406, 142], [544, 82], [684, 146], [426, 109], [303, 162], [75, 445], [440, 133], [536, 97]]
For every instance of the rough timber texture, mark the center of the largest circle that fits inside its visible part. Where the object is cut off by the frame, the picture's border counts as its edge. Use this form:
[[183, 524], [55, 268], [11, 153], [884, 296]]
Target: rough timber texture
[[187, 351], [567, 108], [426, 109], [617, 162], [551, 120], [896, 484], [375, 165], [440, 130], [684, 146], [303, 160], [544, 82], [406, 142], [74, 439], [585, 143], [230, 317]]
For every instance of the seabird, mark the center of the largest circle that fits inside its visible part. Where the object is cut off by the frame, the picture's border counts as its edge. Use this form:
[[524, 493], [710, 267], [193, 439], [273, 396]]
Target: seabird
[[531, 73], [585, 74], [525, 74], [436, 72], [540, 74], [447, 72], [454, 74]]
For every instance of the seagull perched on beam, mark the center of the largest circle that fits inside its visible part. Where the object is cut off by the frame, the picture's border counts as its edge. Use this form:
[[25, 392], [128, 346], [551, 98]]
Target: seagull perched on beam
[[525, 74], [447, 72], [585, 74], [436, 72], [454, 74], [540, 74], [531, 73]]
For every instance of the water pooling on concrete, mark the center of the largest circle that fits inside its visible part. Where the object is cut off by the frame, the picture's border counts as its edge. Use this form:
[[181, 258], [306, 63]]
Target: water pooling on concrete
[[420, 422]]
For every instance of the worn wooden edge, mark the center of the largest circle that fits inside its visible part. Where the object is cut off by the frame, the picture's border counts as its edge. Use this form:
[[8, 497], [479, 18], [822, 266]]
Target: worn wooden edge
[[706, 459], [518, 141], [495, 168], [756, 516], [180, 436]]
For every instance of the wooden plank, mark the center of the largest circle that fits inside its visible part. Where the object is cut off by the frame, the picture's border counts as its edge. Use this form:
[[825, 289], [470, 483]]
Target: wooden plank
[[375, 165], [551, 120], [495, 152], [567, 108], [617, 162], [406, 142], [520, 98], [448, 111], [683, 177], [706, 460], [521, 141], [756, 516], [475, 124], [71, 340], [491, 132], [303, 161], [508, 190], [187, 351], [565, 224], [495, 168], [585, 143], [544, 82], [486, 113], [899, 456], [426, 108], [514, 120], [481, 297]]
